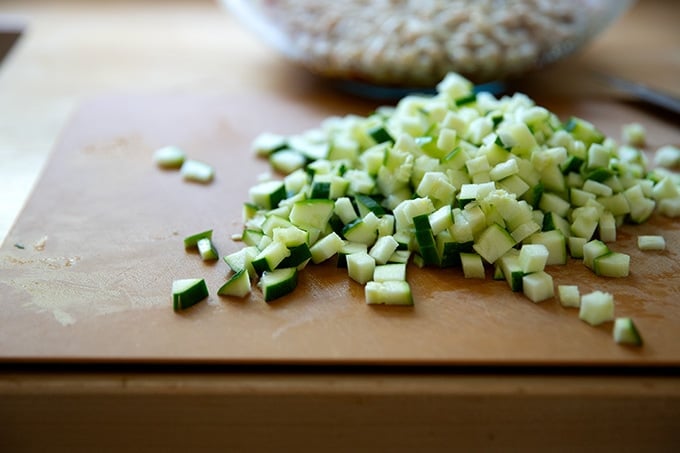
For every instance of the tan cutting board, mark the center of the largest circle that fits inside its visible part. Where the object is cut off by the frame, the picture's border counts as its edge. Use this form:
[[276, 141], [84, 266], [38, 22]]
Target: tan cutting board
[[102, 242]]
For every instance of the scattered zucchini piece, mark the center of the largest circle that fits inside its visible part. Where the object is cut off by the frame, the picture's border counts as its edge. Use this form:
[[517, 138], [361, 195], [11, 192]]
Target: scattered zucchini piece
[[651, 242], [278, 283], [597, 307], [287, 161], [360, 267], [390, 272], [187, 292], [613, 264], [569, 295], [268, 143], [390, 292], [533, 257], [196, 171], [667, 156], [538, 286], [169, 157], [207, 249], [625, 332], [634, 134], [192, 241], [238, 285], [473, 266]]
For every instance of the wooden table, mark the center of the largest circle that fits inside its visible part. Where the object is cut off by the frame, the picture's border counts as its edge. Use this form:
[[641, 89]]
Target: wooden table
[[70, 51]]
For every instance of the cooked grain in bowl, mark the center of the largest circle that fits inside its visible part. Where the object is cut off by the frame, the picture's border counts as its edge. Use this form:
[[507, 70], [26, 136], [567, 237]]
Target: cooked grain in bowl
[[417, 42]]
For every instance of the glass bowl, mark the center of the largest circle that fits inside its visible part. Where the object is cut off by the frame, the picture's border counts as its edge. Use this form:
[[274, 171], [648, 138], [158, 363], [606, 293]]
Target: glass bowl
[[414, 43]]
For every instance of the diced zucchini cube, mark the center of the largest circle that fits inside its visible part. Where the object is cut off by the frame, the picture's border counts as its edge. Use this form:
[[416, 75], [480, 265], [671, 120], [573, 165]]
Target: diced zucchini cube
[[169, 157], [551, 202], [299, 256], [668, 156], [504, 170], [347, 249], [360, 267], [597, 188], [576, 246], [314, 213], [436, 185], [473, 266], [363, 229], [187, 292], [367, 204], [278, 283], [493, 243], [345, 210], [192, 241], [270, 257], [267, 194], [670, 207], [538, 286], [441, 219], [387, 272], [569, 295], [287, 161], [607, 227], [634, 134], [597, 307], [196, 171], [592, 250], [533, 257], [391, 292], [383, 249], [290, 236], [400, 257], [666, 188], [512, 271], [612, 264], [651, 242], [326, 247], [555, 242], [238, 285], [207, 250], [267, 143], [625, 332], [598, 156]]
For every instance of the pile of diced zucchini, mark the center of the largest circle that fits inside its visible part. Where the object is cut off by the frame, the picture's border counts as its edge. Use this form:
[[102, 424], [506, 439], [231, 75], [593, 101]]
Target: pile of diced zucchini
[[453, 180]]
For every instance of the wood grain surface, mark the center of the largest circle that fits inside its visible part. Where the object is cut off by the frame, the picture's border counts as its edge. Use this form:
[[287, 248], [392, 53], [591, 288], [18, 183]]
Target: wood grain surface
[[102, 241]]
